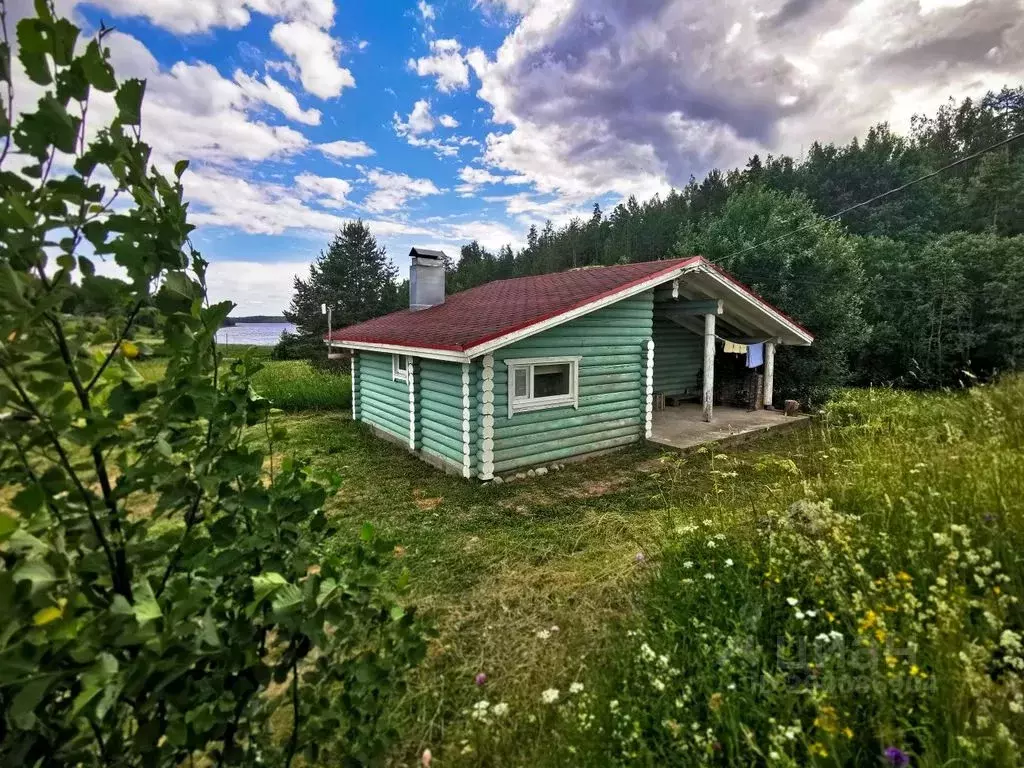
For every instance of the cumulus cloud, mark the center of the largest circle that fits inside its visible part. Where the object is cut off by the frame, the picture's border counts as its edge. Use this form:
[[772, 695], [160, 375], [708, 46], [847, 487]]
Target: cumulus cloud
[[473, 178], [393, 190], [419, 120], [272, 93], [327, 191], [345, 149], [315, 53], [629, 98], [446, 63], [192, 16], [448, 121]]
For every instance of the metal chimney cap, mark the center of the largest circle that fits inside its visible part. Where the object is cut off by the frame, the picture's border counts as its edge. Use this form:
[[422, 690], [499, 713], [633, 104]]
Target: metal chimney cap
[[427, 253]]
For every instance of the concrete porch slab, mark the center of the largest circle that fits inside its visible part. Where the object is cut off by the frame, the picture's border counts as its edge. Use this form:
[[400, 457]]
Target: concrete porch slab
[[682, 427]]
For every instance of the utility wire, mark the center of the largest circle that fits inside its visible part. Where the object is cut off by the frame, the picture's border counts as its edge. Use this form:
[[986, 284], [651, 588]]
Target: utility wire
[[954, 164]]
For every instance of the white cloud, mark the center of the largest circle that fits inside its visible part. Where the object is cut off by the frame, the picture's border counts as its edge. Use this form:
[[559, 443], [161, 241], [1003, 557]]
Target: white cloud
[[446, 64], [392, 190], [426, 10], [316, 54], [629, 98], [472, 178], [343, 149], [448, 121], [256, 287], [327, 191], [192, 16], [419, 121], [276, 95]]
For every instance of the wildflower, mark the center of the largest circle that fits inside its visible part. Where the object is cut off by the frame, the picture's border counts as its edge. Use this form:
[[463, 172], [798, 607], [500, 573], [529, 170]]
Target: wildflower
[[869, 620], [792, 601], [640, 558], [715, 702], [659, 684], [647, 653], [709, 576], [914, 670], [896, 756], [500, 709], [728, 563], [480, 678], [688, 564], [550, 696], [576, 688], [708, 523], [554, 628], [613, 705], [711, 544], [817, 748], [425, 758], [543, 634]]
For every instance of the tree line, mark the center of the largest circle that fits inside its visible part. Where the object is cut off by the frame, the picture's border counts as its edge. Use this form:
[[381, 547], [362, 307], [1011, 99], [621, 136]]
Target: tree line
[[922, 288]]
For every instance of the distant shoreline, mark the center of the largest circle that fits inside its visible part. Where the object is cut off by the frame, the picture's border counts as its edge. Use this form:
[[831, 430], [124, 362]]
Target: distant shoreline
[[253, 319]]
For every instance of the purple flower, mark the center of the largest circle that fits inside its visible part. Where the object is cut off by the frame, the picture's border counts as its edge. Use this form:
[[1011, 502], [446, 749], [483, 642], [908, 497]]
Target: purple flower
[[480, 678], [896, 756]]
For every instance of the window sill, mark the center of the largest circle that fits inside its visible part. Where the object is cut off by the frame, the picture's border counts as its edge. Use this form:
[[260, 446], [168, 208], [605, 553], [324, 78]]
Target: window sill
[[541, 405]]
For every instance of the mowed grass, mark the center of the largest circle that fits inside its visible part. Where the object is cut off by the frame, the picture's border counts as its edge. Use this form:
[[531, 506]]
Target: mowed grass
[[291, 385], [723, 565]]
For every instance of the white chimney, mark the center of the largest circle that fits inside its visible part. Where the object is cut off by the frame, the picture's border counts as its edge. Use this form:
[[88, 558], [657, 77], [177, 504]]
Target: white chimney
[[426, 278]]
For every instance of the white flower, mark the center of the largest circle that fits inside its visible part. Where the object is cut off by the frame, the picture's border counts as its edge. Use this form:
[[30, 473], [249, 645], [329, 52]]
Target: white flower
[[550, 696], [728, 563], [576, 688], [792, 600], [554, 627], [812, 614], [709, 576], [647, 653], [613, 704], [708, 522], [500, 709], [543, 634], [799, 614], [658, 683], [688, 564], [711, 544]]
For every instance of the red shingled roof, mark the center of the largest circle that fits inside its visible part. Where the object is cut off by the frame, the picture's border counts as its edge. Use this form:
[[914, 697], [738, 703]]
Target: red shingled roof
[[494, 309]]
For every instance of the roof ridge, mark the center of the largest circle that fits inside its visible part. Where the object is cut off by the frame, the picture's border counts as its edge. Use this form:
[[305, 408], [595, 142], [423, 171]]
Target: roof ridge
[[589, 267]]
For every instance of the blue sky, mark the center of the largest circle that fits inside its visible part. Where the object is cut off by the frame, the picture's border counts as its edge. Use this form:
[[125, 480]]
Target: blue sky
[[442, 122]]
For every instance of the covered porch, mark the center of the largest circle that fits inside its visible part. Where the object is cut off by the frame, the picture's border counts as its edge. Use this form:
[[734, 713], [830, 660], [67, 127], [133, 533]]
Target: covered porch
[[683, 427], [693, 315]]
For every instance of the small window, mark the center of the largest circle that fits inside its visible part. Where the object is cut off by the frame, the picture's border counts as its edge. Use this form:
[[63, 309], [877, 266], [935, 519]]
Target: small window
[[539, 383], [400, 367]]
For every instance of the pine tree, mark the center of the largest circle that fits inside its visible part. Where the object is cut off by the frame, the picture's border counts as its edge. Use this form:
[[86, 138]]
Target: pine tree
[[354, 277]]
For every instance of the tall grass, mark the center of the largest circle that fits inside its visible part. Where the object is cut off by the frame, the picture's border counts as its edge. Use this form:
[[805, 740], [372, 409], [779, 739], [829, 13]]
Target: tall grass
[[291, 385], [859, 607]]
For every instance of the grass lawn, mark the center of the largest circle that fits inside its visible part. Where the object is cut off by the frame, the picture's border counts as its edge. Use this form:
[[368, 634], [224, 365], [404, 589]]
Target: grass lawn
[[679, 592]]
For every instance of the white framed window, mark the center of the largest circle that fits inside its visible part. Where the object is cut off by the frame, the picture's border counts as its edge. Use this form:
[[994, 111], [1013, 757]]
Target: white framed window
[[542, 382], [400, 367]]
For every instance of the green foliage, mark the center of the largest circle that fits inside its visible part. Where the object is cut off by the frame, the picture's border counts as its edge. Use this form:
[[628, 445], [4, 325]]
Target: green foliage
[[354, 277], [870, 603], [814, 274], [163, 597]]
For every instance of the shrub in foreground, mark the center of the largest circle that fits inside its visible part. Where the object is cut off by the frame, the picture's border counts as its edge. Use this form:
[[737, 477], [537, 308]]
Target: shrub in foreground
[[163, 600]]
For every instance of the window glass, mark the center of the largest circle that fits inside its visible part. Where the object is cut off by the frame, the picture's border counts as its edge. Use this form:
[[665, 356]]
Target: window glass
[[551, 380], [402, 362], [522, 381]]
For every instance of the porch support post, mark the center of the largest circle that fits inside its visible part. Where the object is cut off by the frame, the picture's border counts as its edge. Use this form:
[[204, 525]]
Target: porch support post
[[769, 372], [709, 365]]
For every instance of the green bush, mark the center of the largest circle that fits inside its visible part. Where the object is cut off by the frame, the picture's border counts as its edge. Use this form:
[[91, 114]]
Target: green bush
[[163, 596]]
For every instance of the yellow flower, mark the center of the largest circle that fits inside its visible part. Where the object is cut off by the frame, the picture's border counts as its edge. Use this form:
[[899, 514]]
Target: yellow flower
[[817, 748], [904, 577], [891, 660], [129, 349], [869, 620], [848, 732], [880, 635], [827, 719], [914, 669]]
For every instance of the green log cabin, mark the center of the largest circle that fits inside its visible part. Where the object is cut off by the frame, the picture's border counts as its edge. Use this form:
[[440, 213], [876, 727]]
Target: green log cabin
[[533, 370]]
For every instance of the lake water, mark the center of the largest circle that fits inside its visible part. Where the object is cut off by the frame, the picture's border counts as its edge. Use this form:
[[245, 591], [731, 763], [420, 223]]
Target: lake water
[[254, 334]]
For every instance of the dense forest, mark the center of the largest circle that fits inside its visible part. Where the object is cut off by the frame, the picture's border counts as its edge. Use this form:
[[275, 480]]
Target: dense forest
[[921, 288]]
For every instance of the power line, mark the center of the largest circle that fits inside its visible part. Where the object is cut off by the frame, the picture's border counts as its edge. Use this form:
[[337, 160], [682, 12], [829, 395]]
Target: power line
[[876, 198]]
